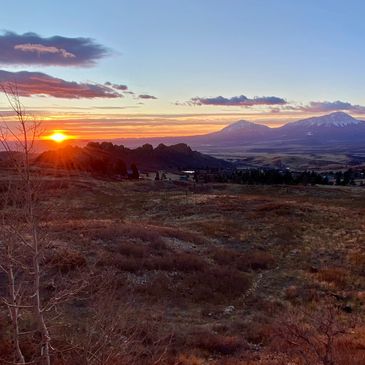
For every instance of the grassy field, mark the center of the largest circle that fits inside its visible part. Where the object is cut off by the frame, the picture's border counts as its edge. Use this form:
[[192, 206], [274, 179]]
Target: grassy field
[[295, 157], [206, 274]]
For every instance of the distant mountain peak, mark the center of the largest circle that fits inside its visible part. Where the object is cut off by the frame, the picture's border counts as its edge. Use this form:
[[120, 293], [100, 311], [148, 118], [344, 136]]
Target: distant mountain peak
[[336, 119], [242, 125]]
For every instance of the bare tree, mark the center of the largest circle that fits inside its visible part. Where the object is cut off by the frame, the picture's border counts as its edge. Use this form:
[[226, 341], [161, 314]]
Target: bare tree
[[111, 332], [311, 336], [22, 227], [115, 330], [13, 300]]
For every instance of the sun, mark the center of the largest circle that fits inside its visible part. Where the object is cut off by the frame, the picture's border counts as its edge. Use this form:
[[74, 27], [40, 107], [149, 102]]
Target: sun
[[58, 137]]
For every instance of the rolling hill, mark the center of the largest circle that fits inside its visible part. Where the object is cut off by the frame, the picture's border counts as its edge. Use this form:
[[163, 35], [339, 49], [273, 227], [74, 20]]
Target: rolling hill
[[99, 156]]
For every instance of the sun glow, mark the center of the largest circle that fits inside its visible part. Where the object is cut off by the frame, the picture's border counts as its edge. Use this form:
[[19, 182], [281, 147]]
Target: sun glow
[[58, 137]]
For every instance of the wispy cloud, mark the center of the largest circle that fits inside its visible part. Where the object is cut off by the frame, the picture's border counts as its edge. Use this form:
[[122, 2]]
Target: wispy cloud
[[241, 100], [120, 87], [32, 49], [37, 83], [330, 106], [146, 96]]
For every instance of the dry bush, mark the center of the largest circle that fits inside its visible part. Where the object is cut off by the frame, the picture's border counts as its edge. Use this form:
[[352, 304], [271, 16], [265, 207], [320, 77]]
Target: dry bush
[[6, 345], [131, 249], [335, 276], [184, 359], [65, 260], [114, 232], [255, 260], [258, 331], [224, 256], [158, 246], [129, 264], [138, 258], [178, 261], [109, 260], [216, 284], [251, 260], [357, 261], [298, 294], [113, 329], [158, 288], [350, 349], [286, 234], [210, 285], [219, 344], [182, 235], [278, 208], [317, 336]]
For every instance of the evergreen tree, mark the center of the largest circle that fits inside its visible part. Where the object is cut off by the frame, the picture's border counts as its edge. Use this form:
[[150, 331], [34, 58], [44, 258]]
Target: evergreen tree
[[135, 172]]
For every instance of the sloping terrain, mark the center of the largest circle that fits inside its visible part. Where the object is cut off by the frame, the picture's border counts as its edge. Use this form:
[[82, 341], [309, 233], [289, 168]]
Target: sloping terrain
[[212, 271]]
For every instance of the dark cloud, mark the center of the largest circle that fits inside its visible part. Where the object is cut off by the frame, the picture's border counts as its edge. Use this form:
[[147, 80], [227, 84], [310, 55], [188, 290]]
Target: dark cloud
[[329, 106], [32, 49], [37, 83], [146, 96], [238, 101], [117, 86]]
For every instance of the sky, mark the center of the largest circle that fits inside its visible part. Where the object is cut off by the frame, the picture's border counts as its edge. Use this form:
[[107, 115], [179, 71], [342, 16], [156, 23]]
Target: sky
[[113, 69]]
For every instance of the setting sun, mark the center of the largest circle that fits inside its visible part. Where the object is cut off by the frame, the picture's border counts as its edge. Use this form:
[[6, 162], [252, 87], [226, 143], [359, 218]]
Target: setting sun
[[58, 137]]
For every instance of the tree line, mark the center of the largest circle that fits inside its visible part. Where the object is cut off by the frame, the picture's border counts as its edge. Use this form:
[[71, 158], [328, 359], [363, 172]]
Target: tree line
[[258, 176]]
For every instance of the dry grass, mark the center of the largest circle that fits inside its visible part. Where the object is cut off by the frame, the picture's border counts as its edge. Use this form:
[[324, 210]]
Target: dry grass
[[336, 277], [185, 257], [219, 344], [65, 260], [251, 260]]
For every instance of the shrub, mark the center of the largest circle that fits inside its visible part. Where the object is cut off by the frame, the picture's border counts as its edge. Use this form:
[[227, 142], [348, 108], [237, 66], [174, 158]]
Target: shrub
[[357, 261], [182, 235], [217, 284], [115, 232], [252, 260], [333, 275], [256, 260], [224, 256], [157, 288], [65, 260], [189, 360], [219, 344], [182, 261], [129, 264], [133, 249]]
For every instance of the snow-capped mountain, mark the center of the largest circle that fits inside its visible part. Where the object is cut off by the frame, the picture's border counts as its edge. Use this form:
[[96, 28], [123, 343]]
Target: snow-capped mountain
[[328, 129], [337, 119], [331, 130]]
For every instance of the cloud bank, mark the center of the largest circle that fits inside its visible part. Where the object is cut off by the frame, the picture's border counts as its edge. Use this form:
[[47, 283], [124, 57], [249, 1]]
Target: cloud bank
[[330, 106], [241, 100], [32, 49], [38, 83]]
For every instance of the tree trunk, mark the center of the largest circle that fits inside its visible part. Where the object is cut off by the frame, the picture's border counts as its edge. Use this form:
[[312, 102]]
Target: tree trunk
[[14, 315]]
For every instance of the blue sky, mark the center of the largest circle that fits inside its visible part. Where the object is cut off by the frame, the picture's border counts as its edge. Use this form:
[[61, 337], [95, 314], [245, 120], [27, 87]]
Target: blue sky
[[300, 51]]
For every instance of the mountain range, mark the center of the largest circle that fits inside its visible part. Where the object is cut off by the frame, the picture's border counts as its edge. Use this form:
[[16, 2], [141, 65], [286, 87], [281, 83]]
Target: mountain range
[[331, 141], [335, 130]]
